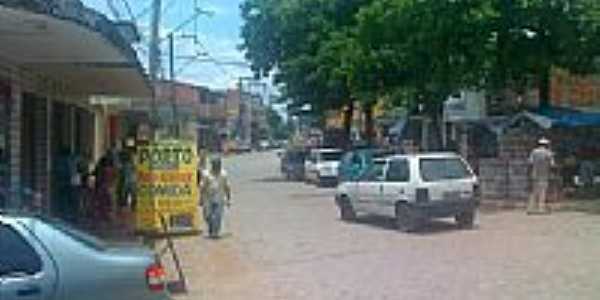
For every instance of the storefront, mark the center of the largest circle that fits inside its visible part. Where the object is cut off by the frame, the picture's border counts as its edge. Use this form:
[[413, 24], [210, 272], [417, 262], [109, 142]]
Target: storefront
[[47, 77]]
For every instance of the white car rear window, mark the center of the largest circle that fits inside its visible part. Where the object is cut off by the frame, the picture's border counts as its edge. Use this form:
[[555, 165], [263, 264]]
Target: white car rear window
[[436, 169], [331, 156]]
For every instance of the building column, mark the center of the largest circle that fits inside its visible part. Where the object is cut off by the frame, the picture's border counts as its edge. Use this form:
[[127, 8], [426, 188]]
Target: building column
[[15, 141], [72, 124], [100, 134], [424, 134], [41, 155]]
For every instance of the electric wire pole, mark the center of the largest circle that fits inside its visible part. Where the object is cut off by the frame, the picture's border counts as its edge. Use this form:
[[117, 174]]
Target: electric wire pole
[[154, 53]]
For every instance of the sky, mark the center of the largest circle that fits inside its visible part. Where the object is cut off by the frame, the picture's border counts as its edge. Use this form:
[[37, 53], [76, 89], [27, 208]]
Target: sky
[[218, 35]]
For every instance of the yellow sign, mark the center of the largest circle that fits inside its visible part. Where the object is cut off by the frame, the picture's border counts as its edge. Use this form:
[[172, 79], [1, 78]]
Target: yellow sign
[[167, 189]]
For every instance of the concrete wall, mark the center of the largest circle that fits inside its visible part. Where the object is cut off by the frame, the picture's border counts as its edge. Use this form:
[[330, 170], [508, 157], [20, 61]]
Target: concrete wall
[[15, 138]]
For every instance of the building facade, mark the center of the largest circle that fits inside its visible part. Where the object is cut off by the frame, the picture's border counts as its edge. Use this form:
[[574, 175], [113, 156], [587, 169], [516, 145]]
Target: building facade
[[55, 56]]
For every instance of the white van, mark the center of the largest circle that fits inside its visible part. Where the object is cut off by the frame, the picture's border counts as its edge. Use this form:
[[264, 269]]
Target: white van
[[413, 188], [321, 166]]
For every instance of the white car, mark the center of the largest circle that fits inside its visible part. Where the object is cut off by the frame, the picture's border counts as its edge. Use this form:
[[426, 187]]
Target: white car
[[413, 188], [321, 166]]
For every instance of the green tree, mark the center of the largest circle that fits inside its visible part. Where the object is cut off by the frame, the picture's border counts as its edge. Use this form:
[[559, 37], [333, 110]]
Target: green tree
[[299, 42], [279, 129], [331, 53], [532, 37]]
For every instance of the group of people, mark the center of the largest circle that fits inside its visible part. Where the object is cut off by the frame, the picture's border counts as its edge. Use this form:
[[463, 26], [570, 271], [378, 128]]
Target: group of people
[[102, 193], [106, 192]]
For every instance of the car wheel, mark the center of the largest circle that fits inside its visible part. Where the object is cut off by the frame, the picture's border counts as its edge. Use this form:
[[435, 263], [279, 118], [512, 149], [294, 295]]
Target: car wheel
[[407, 219], [465, 220], [347, 212]]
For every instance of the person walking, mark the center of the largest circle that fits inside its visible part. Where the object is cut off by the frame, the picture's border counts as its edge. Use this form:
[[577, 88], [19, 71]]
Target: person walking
[[541, 160], [216, 193]]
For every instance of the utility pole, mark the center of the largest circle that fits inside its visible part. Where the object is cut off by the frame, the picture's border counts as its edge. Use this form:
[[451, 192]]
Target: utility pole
[[154, 54], [175, 124], [171, 40]]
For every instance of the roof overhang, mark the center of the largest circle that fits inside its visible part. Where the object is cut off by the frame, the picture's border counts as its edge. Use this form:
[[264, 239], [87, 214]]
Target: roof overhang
[[91, 60]]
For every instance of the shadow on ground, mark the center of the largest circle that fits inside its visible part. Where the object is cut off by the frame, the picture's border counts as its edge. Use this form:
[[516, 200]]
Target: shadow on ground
[[581, 206], [434, 226], [274, 179]]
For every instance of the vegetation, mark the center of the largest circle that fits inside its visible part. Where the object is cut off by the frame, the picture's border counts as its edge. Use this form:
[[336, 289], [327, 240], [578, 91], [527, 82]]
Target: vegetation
[[280, 130], [332, 53]]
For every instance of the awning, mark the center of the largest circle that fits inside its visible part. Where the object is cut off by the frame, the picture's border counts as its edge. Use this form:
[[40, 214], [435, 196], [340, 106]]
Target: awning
[[541, 121], [77, 46], [571, 118]]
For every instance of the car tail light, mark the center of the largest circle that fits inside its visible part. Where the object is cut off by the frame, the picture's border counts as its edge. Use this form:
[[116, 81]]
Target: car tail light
[[155, 277]]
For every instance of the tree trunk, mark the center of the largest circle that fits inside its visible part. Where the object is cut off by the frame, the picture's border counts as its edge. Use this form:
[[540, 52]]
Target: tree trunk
[[369, 124], [544, 87], [348, 118]]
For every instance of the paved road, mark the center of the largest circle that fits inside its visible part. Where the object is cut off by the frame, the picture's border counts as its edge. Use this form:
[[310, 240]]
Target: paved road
[[288, 243]]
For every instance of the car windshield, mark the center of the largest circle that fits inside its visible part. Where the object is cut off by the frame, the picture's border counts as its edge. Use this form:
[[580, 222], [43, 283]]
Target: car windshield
[[331, 156], [436, 169], [78, 235]]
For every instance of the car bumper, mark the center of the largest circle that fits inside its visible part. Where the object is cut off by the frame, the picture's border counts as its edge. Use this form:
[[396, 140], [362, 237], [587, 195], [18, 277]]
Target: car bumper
[[328, 180], [445, 208]]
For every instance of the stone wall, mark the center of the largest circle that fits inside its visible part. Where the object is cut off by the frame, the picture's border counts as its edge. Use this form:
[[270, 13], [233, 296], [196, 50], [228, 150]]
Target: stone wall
[[506, 177]]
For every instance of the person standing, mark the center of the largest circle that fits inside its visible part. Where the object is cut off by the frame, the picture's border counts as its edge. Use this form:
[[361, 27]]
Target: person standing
[[105, 177], [216, 193], [541, 160], [127, 181]]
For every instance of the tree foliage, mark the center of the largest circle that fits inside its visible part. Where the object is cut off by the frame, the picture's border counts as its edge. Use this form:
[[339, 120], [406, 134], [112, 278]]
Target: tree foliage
[[330, 52]]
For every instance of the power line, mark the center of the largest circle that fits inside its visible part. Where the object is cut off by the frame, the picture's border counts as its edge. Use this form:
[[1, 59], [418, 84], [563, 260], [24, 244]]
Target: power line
[[144, 12], [130, 12], [113, 9], [167, 7]]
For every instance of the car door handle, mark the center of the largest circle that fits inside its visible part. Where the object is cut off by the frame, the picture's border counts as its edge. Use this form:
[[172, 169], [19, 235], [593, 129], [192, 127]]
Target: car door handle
[[29, 291]]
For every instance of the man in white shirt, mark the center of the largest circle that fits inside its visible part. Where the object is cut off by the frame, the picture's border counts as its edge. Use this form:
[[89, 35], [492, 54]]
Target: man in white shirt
[[216, 193], [541, 160]]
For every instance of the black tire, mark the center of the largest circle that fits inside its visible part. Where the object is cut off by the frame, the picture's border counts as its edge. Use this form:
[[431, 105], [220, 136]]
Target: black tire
[[347, 212], [466, 219], [407, 219]]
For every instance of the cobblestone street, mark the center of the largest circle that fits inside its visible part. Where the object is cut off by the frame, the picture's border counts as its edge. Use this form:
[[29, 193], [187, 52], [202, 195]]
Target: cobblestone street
[[287, 242]]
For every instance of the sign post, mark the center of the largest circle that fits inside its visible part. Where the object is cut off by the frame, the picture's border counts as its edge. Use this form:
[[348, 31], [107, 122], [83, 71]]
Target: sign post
[[167, 194], [167, 189]]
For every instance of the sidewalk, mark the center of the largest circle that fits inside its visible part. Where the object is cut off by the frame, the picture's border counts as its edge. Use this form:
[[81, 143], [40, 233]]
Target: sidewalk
[[588, 206]]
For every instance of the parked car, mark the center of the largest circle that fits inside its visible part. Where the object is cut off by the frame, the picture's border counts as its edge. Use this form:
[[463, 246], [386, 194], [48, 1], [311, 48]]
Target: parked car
[[354, 163], [322, 165], [264, 145], [292, 164], [46, 259], [412, 189]]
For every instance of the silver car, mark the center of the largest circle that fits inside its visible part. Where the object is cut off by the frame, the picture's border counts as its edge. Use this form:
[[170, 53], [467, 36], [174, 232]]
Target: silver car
[[44, 259]]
